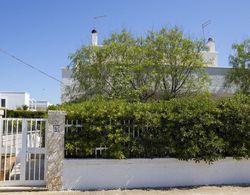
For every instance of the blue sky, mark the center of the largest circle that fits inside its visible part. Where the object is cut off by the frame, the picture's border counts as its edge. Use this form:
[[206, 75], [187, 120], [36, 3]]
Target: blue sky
[[44, 32]]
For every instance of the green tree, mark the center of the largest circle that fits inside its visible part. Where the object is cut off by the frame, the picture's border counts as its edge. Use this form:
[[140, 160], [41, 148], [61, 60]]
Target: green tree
[[239, 76], [180, 61], [162, 64]]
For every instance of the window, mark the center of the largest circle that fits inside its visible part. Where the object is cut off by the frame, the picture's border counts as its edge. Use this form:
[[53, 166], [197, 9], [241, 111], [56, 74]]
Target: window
[[3, 103]]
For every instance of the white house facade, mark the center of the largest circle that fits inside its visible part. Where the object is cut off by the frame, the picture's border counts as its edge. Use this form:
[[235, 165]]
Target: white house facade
[[12, 100]]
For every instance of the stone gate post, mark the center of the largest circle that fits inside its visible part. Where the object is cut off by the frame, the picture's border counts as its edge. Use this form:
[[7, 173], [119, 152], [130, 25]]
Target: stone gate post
[[55, 149]]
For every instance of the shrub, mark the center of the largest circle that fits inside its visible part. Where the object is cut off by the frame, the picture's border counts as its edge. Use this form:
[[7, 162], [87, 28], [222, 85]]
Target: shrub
[[235, 117], [193, 126], [26, 114], [197, 128]]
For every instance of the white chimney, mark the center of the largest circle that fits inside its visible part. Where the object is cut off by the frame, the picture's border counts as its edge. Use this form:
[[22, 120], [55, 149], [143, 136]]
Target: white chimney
[[211, 45], [210, 56], [94, 38]]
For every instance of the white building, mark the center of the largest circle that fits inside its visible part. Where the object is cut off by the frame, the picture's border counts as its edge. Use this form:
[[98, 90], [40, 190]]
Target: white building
[[14, 100], [41, 105], [217, 74]]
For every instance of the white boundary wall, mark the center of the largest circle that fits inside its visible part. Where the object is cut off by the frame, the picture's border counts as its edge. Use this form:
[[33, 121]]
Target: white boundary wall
[[141, 173]]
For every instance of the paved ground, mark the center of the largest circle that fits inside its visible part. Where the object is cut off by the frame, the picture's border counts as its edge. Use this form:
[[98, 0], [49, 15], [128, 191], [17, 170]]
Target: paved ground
[[211, 190]]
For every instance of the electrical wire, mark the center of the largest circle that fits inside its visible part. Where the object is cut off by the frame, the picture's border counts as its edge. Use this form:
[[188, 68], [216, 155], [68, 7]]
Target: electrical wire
[[29, 65]]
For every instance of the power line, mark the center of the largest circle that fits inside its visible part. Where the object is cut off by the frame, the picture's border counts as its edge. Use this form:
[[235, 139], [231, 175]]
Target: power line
[[29, 65]]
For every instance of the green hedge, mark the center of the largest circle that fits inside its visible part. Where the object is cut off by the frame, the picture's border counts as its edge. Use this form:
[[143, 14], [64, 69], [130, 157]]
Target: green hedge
[[197, 128], [26, 114]]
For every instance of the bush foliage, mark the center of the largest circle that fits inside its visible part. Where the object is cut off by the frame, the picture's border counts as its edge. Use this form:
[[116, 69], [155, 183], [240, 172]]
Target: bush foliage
[[197, 128], [26, 114]]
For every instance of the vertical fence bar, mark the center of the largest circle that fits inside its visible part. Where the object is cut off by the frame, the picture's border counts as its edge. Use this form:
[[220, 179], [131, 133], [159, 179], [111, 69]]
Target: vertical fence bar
[[129, 127], [11, 145], [66, 131], [5, 159], [28, 159], [40, 135], [34, 175], [133, 130], [40, 146], [39, 166], [45, 163], [24, 150], [30, 145], [17, 129], [30, 130]]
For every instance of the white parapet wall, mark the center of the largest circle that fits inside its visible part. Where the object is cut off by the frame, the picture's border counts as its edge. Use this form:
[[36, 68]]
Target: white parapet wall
[[151, 173]]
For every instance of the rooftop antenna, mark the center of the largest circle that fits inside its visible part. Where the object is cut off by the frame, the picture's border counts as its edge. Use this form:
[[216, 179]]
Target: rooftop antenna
[[98, 17], [204, 25], [94, 37]]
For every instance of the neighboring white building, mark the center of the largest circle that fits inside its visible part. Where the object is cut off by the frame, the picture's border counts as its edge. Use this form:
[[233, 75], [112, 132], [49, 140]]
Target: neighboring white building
[[14, 100], [42, 105]]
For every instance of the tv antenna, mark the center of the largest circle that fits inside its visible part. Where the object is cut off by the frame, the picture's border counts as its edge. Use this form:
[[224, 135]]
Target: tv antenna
[[97, 18], [204, 25]]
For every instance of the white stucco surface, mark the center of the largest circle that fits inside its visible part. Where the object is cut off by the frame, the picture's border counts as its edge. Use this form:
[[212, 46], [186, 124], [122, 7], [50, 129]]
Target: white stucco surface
[[149, 173], [15, 99], [216, 85]]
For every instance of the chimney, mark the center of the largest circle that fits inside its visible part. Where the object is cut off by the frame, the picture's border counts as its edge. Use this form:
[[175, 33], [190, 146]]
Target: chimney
[[210, 56], [94, 38], [211, 45]]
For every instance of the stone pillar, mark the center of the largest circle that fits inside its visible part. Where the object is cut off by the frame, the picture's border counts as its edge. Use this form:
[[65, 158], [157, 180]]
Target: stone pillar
[[55, 149]]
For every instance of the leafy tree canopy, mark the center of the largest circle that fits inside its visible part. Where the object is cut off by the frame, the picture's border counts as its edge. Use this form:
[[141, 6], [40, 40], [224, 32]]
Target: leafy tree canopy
[[240, 60], [161, 65]]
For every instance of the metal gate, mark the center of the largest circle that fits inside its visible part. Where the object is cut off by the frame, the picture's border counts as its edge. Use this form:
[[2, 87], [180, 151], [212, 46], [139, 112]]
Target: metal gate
[[22, 152]]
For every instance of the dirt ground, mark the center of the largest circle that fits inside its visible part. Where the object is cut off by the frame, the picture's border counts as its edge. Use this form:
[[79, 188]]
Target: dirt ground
[[209, 190]]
